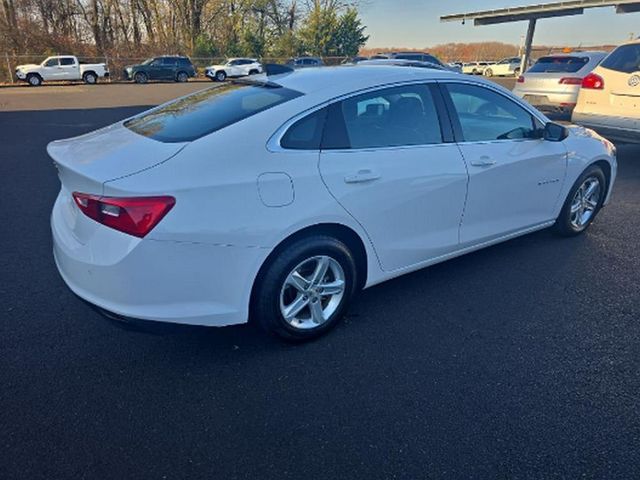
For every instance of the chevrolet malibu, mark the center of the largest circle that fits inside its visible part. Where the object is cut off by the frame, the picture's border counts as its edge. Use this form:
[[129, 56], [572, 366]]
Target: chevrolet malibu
[[277, 199]]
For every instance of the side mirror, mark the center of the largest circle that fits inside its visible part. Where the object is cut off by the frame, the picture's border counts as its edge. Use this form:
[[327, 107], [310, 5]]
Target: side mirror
[[554, 132]]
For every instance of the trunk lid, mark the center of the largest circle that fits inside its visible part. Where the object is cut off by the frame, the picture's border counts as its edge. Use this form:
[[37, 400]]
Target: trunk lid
[[86, 162]]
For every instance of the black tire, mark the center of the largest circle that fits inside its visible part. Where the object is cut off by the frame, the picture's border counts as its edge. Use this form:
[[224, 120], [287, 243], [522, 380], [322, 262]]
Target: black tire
[[266, 304], [34, 80], [90, 78], [182, 77], [221, 76], [140, 77], [565, 224], [488, 72]]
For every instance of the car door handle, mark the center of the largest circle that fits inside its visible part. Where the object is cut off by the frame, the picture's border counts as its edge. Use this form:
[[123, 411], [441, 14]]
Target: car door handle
[[483, 161], [362, 176]]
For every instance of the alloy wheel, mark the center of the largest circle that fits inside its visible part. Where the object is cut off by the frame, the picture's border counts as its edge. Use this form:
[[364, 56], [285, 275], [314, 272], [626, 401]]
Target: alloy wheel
[[312, 292], [585, 202]]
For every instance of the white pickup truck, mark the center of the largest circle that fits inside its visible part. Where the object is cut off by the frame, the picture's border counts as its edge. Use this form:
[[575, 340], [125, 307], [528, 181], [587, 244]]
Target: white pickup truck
[[62, 68]]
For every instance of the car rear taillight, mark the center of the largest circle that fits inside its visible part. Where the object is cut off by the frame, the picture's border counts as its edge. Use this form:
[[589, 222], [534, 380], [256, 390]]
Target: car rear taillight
[[593, 82], [520, 79], [571, 81], [136, 216]]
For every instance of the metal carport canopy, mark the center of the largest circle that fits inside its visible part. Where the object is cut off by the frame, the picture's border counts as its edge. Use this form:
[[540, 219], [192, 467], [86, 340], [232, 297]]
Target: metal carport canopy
[[533, 12]]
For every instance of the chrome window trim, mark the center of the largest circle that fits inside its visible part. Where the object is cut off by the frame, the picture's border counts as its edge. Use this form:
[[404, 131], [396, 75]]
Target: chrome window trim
[[273, 144]]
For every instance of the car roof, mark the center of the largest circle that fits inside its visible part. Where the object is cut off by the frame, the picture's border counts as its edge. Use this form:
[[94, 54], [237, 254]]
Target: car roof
[[575, 54], [348, 78]]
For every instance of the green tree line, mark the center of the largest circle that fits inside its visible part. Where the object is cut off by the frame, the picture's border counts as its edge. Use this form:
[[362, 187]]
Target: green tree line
[[260, 28]]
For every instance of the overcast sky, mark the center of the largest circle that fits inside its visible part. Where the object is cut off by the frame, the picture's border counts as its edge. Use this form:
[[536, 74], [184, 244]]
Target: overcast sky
[[416, 24]]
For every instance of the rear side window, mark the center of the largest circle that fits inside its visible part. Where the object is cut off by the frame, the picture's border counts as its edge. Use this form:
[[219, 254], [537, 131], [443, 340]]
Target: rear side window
[[305, 134], [210, 110], [393, 117], [184, 62], [67, 61], [625, 59], [167, 61], [559, 64]]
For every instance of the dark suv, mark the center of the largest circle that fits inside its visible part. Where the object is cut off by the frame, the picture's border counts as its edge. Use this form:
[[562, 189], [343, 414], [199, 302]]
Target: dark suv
[[175, 68]]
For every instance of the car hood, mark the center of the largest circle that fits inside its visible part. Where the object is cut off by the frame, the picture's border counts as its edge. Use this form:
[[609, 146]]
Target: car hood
[[86, 162], [26, 66], [215, 67]]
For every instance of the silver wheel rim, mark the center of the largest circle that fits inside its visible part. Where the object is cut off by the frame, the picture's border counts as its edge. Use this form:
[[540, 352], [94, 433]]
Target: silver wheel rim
[[312, 292], [91, 79], [220, 76], [585, 202], [182, 77], [34, 81]]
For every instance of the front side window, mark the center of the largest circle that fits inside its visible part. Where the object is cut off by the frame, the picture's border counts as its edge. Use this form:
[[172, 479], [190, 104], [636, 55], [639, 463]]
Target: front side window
[[625, 59], [204, 112], [559, 64], [52, 62], [399, 116], [486, 115]]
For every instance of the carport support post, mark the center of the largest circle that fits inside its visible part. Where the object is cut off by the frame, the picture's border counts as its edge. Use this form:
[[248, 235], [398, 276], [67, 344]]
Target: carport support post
[[527, 45]]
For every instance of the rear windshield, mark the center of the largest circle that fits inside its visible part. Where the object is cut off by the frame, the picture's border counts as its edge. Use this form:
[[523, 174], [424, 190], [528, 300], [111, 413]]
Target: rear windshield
[[204, 112], [625, 59], [559, 64]]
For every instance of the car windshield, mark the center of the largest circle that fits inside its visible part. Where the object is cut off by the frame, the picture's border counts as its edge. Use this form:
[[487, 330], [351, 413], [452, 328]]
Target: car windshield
[[559, 64], [189, 118], [148, 61]]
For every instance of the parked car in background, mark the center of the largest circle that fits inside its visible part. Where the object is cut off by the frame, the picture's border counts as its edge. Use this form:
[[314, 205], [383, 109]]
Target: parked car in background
[[62, 68], [234, 68], [422, 57], [175, 215], [168, 67], [403, 63], [553, 82], [475, 68], [304, 62], [508, 67], [609, 99], [353, 60]]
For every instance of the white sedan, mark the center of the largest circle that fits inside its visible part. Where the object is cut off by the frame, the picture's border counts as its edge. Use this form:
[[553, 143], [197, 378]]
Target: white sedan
[[277, 200]]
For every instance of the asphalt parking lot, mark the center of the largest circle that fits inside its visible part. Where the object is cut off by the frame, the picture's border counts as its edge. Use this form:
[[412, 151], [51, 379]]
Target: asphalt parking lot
[[520, 361]]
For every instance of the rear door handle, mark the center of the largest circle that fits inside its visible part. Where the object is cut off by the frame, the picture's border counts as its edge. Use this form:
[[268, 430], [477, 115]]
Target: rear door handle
[[483, 161], [362, 176]]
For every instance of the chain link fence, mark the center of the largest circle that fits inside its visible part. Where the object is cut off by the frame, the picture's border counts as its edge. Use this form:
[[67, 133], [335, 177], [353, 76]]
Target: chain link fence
[[116, 64]]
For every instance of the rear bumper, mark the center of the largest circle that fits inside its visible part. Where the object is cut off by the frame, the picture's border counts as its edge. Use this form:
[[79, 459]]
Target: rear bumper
[[549, 100], [146, 279], [613, 128]]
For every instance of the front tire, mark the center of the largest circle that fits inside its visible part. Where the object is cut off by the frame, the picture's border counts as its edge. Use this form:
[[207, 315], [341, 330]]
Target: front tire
[[488, 72], [140, 78], [583, 203], [221, 76], [34, 80], [306, 289]]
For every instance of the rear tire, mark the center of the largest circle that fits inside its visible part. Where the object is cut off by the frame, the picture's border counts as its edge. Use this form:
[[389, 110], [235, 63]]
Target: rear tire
[[488, 72], [583, 203], [182, 77], [304, 292], [90, 78], [140, 78], [34, 80]]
